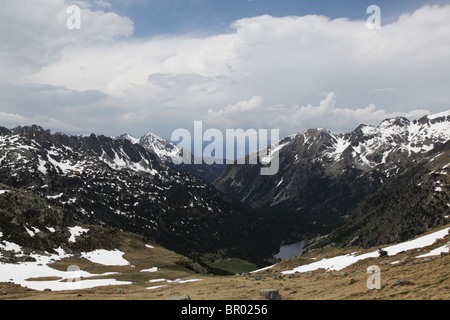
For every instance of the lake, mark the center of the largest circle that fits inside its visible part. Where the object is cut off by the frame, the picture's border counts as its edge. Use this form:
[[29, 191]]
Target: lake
[[291, 250]]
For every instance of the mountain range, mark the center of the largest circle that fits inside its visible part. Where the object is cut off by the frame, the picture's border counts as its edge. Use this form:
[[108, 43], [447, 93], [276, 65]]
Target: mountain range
[[324, 176], [117, 183], [371, 186]]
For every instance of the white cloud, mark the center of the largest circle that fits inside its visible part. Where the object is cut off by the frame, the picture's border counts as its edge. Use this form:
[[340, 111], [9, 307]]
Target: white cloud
[[103, 4], [264, 72], [296, 118], [34, 34]]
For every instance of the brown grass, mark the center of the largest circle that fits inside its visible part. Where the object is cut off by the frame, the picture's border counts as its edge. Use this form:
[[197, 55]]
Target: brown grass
[[410, 279]]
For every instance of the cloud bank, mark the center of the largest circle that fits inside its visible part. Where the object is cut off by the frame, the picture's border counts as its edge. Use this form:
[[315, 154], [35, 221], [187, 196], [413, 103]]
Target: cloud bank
[[291, 73]]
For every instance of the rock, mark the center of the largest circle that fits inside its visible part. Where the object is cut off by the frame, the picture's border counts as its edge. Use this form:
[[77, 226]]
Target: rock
[[198, 268], [184, 297], [270, 294], [402, 282], [351, 281], [403, 259]]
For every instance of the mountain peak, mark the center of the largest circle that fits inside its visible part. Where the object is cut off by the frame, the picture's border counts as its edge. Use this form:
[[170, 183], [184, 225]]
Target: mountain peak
[[128, 137], [398, 122], [159, 146], [437, 117], [26, 129]]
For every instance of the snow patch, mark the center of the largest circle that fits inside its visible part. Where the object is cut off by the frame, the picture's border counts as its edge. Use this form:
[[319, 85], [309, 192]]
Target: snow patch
[[339, 147], [76, 232], [177, 281], [279, 183], [341, 262], [10, 246], [69, 280], [435, 252], [106, 258], [55, 197]]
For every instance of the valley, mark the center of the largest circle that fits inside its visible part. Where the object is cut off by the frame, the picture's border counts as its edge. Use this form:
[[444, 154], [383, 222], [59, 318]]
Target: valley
[[95, 217]]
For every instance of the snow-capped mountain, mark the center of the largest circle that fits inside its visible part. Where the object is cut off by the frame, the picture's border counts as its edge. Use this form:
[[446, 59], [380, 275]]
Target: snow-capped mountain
[[391, 143], [163, 149], [410, 203], [323, 175], [172, 155], [325, 180], [115, 182]]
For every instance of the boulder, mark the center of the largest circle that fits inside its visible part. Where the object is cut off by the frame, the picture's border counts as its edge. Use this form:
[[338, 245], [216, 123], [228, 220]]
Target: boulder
[[270, 294]]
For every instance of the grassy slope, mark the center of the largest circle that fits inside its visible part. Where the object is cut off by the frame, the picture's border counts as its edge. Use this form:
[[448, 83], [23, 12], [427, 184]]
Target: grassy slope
[[417, 278]]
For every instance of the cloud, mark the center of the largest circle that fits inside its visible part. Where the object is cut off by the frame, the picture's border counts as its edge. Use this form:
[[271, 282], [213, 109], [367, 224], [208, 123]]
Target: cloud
[[265, 72], [34, 34], [296, 118], [242, 106], [103, 4], [11, 118], [382, 90]]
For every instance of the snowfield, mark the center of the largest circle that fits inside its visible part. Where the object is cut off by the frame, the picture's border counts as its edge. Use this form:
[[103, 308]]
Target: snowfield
[[28, 274], [106, 258], [73, 279]]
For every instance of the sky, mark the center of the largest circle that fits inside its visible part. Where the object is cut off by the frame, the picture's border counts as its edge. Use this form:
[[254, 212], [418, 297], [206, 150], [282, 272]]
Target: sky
[[140, 66]]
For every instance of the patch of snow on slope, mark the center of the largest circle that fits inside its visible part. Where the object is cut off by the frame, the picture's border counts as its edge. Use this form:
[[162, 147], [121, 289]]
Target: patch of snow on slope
[[23, 273], [107, 258], [76, 232], [340, 146], [341, 262], [435, 252], [275, 149], [154, 269], [9, 246]]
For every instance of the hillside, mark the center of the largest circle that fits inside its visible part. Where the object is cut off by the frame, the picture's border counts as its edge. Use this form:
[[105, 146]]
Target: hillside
[[407, 205], [46, 254], [414, 270], [323, 176]]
